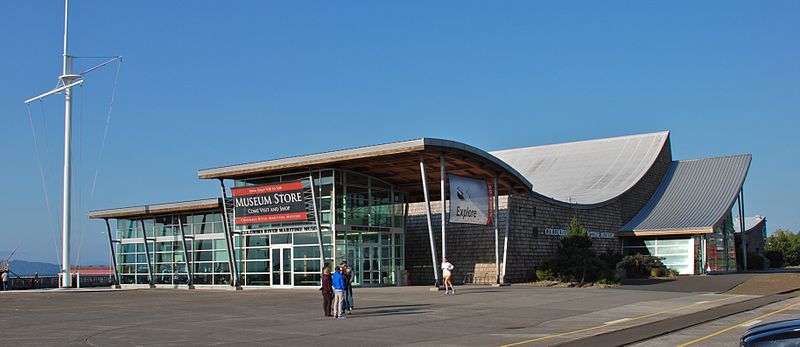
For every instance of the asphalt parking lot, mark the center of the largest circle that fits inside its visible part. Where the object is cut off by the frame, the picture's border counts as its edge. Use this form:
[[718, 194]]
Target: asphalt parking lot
[[476, 316]]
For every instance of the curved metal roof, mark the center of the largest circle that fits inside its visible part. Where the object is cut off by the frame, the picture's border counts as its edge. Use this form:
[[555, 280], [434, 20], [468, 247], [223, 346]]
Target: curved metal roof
[[396, 163], [749, 222], [693, 196], [587, 172]]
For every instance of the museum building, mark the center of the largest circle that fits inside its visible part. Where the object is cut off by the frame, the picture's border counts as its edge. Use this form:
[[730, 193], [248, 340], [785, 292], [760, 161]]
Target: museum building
[[275, 223]]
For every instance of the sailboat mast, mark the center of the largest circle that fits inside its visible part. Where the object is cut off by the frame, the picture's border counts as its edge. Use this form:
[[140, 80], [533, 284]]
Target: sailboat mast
[[66, 218]]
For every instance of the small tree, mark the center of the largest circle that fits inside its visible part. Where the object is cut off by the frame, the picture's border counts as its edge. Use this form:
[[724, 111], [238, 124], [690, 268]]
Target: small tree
[[575, 260], [576, 229]]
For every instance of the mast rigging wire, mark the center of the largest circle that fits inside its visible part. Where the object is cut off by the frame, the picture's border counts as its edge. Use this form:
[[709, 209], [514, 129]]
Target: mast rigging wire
[[44, 181], [100, 153]]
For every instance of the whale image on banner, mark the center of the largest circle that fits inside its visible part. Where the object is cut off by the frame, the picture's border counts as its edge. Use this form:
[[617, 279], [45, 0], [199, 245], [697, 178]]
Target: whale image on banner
[[471, 200]]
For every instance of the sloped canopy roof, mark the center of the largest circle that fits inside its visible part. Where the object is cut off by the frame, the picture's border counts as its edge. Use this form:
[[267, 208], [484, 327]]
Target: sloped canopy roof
[[156, 209], [396, 163], [693, 196], [587, 172]]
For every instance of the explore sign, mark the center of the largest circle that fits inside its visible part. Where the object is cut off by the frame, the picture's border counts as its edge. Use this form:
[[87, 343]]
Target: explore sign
[[471, 200], [275, 203]]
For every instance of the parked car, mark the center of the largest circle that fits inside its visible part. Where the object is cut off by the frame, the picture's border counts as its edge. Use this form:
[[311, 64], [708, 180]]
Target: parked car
[[777, 334]]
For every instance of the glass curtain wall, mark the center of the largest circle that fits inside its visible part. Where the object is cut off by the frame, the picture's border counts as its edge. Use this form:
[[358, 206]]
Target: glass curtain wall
[[270, 256], [344, 198], [376, 257], [277, 254], [207, 253]]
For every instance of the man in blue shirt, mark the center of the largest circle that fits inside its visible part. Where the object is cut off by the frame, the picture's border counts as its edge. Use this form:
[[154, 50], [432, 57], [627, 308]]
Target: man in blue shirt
[[338, 294]]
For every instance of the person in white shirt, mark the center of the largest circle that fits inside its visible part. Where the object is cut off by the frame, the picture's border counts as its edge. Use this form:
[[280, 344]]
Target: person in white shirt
[[447, 272]]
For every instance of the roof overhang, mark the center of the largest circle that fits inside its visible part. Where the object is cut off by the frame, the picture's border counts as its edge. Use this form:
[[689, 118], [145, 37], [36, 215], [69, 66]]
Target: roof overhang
[[666, 232], [397, 163], [157, 209]]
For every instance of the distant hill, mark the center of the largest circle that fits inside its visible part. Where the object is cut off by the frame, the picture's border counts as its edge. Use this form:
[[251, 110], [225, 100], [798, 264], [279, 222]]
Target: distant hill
[[26, 268]]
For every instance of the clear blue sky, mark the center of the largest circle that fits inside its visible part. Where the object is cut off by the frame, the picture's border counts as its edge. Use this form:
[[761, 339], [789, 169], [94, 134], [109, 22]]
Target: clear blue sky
[[208, 83]]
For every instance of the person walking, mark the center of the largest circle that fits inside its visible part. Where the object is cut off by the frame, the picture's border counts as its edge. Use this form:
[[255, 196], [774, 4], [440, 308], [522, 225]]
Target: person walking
[[5, 280], [347, 272], [327, 291], [447, 273], [338, 294]]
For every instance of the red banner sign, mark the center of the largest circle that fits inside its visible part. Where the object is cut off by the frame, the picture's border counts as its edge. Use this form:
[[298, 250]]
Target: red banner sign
[[274, 203]]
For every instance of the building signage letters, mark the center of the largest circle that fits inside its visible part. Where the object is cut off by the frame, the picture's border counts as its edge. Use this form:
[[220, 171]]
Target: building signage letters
[[274, 203], [471, 200], [593, 234], [299, 229]]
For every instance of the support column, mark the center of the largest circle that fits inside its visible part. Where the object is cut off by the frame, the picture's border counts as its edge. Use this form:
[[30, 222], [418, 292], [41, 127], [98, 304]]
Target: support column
[[189, 272], [443, 175], [428, 214], [232, 265], [317, 222], [147, 252], [496, 234], [111, 243], [505, 239], [704, 245], [741, 228]]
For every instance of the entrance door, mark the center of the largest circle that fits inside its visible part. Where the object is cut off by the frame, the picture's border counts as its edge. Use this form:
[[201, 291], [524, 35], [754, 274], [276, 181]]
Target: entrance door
[[281, 262], [370, 264]]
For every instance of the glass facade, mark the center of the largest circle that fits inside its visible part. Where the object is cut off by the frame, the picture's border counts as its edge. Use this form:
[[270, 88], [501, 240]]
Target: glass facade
[[687, 254], [721, 248], [207, 253], [675, 253], [361, 218]]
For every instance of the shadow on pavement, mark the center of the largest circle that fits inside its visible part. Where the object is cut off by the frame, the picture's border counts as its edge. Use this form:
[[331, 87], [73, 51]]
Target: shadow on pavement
[[718, 283], [391, 310]]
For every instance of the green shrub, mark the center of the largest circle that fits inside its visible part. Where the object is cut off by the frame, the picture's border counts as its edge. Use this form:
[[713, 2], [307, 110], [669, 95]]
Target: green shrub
[[639, 266], [787, 243], [609, 260], [545, 275], [754, 261], [775, 258]]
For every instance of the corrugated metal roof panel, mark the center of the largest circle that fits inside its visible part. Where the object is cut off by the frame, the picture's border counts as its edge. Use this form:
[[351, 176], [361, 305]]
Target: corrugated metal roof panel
[[587, 172], [694, 194]]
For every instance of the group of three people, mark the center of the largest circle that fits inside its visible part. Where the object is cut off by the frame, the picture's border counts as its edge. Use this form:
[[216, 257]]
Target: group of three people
[[337, 291]]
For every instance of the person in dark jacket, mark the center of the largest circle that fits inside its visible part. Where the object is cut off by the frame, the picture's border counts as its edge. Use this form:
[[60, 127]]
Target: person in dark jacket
[[327, 291], [338, 294], [348, 274]]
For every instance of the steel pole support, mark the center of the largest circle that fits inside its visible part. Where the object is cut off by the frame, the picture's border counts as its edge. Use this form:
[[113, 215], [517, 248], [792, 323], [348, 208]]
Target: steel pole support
[[741, 229], [443, 175], [496, 233], [148, 254], [232, 264], [189, 272], [505, 239], [428, 215], [317, 222], [113, 254]]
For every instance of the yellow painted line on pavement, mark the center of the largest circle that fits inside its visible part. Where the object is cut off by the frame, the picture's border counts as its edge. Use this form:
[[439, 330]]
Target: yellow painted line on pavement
[[738, 325], [616, 322]]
